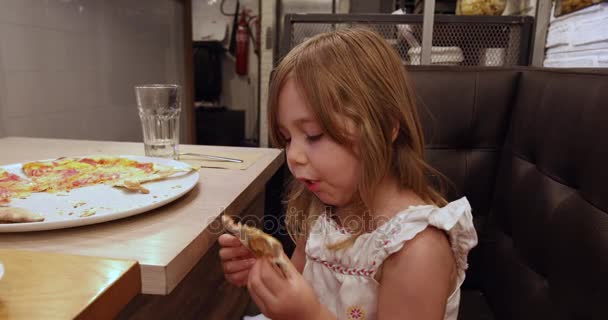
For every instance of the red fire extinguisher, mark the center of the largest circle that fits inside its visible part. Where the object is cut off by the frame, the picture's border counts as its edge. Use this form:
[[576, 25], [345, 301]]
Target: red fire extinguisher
[[242, 44]]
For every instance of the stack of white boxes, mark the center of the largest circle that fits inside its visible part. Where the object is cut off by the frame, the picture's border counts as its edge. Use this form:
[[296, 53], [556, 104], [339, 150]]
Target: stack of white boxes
[[579, 39]]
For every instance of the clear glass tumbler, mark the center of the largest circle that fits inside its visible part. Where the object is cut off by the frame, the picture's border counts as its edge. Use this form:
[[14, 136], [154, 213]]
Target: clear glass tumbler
[[159, 109]]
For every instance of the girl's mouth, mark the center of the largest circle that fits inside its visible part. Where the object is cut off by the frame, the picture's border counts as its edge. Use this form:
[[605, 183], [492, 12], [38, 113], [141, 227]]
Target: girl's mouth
[[312, 185]]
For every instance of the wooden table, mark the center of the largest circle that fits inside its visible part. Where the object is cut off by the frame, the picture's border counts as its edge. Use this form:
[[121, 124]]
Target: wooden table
[[167, 242], [38, 285]]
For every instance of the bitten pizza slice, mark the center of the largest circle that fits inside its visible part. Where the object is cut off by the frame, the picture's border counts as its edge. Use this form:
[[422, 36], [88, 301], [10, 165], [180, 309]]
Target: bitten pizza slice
[[134, 182], [257, 241]]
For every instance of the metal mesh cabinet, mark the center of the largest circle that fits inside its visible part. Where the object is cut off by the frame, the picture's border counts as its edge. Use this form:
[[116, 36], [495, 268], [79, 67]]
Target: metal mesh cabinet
[[456, 40]]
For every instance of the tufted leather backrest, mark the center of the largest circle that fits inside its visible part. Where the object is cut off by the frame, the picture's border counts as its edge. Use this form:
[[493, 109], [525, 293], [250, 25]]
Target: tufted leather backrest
[[465, 116], [549, 258], [529, 148]]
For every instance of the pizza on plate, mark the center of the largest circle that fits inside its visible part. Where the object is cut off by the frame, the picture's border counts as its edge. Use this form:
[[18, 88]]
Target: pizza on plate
[[65, 174]]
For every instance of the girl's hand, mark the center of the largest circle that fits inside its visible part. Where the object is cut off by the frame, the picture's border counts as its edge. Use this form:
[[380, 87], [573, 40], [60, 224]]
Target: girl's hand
[[237, 260], [282, 296]]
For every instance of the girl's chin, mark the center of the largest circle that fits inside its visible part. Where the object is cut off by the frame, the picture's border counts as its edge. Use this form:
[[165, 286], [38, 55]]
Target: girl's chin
[[329, 201], [323, 197]]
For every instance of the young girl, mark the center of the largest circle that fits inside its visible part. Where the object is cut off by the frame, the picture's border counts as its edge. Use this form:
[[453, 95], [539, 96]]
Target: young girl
[[374, 239]]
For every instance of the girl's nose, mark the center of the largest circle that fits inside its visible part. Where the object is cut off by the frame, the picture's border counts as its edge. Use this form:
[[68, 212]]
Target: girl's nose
[[296, 154]]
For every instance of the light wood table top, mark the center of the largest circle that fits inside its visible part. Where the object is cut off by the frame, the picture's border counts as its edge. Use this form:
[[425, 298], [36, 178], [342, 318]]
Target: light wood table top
[[40, 285], [168, 241]]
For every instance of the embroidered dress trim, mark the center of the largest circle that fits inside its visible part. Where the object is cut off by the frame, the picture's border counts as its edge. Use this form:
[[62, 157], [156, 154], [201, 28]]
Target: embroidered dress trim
[[344, 270]]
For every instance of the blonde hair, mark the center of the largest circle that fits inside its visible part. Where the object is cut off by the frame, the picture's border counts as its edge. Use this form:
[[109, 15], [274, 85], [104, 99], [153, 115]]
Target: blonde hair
[[354, 73]]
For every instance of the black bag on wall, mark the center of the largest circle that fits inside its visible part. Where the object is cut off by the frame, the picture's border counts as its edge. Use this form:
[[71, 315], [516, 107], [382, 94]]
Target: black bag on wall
[[207, 70]]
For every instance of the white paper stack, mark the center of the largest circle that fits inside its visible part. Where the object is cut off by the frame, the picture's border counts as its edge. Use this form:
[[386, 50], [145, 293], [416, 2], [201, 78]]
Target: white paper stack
[[579, 39]]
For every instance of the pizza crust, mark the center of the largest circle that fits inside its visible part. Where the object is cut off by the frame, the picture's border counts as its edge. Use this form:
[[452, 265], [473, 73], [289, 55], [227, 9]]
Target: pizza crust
[[135, 184], [18, 215]]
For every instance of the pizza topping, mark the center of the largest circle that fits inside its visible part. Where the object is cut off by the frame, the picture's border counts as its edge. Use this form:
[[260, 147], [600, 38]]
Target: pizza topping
[[89, 161], [5, 195], [7, 176], [89, 212], [13, 186], [147, 167], [79, 204]]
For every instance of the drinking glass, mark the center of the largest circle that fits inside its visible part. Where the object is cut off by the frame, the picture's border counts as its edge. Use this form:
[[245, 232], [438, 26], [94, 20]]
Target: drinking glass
[[159, 109]]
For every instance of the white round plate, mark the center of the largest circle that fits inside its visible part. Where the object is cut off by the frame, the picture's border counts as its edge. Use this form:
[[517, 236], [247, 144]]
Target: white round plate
[[63, 210]]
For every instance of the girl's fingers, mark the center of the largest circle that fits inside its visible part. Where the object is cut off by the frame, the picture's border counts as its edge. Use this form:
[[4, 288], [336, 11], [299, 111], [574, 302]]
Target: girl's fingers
[[257, 287], [271, 276], [229, 253], [287, 268], [254, 273], [233, 266], [238, 278], [228, 240], [258, 301]]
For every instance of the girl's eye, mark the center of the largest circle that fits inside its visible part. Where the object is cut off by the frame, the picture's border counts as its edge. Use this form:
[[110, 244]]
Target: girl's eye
[[314, 138], [285, 137]]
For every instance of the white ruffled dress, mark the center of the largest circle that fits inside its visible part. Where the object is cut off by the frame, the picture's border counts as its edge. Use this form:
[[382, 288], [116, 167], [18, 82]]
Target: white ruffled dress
[[344, 279]]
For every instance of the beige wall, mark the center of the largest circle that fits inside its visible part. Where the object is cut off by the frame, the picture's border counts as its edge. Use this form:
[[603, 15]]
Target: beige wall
[[67, 68]]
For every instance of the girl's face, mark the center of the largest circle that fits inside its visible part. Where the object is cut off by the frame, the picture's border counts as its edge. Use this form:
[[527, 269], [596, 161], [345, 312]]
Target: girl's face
[[328, 169]]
